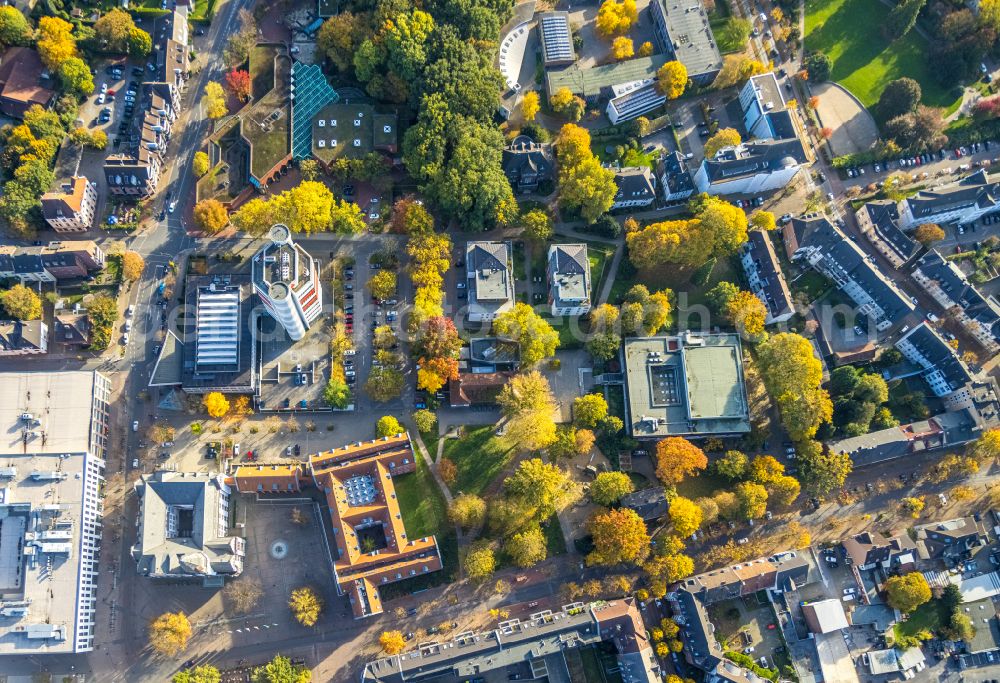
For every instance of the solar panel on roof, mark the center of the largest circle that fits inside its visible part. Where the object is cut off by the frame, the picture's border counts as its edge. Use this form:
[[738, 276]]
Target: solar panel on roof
[[556, 38]]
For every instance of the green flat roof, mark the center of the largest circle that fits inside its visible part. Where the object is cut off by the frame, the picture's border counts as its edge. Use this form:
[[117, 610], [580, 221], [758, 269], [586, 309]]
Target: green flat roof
[[588, 82]]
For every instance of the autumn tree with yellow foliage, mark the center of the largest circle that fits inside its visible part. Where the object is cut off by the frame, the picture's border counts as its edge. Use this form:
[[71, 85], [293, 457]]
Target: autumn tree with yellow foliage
[[530, 105], [725, 137], [793, 377], [677, 458], [585, 186], [132, 265], [392, 642], [215, 404], [215, 101], [747, 312], [671, 79], [305, 605], [169, 633], [622, 48], [718, 229], [616, 18], [56, 43]]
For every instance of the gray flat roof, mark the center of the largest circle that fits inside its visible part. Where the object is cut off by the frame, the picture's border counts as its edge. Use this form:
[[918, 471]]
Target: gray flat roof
[[62, 402], [685, 385], [588, 82], [693, 42]]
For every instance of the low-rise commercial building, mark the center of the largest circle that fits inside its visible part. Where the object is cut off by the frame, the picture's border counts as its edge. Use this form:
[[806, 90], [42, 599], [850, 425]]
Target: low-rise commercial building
[[690, 385], [51, 470]]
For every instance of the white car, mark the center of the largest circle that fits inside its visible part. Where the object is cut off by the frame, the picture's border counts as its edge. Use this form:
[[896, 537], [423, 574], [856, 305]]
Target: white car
[[101, 98], [373, 216], [172, 206], [135, 463], [236, 450], [104, 87], [129, 311], [135, 425], [460, 285]]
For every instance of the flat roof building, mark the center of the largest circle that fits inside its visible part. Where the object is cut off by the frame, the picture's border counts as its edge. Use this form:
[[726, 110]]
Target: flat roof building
[[591, 83], [683, 32], [51, 469], [184, 527], [368, 529], [825, 616], [690, 385]]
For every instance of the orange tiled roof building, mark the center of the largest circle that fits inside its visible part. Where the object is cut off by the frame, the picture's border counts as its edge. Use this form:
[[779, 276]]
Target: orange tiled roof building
[[368, 528]]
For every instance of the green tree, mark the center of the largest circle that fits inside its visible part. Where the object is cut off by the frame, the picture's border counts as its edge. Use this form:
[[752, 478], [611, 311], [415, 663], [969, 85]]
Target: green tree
[[21, 303], [425, 420], [608, 488], [140, 43], [902, 18], [384, 384], [535, 337], [821, 470], [732, 465], [480, 563], [340, 37], [204, 673], [526, 548], [281, 670], [537, 225], [907, 592], [589, 410], [75, 76], [337, 394], [14, 28], [467, 510], [752, 499], [899, 97], [388, 426], [818, 65], [542, 483]]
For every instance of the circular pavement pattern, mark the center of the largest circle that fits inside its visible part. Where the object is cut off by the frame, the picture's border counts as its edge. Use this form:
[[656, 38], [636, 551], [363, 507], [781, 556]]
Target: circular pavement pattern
[[854, 129], [279, 550]]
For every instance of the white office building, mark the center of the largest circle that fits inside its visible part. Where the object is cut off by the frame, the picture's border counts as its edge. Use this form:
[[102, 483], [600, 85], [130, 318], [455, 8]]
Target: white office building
[[51, 467], [287, 280], [961, 202]]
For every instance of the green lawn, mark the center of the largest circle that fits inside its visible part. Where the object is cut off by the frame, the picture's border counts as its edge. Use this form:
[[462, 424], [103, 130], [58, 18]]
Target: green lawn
[[598, 253], [479, 458], [704, 484], [555, 542], [424, 513], [849, 31], [926, 618]]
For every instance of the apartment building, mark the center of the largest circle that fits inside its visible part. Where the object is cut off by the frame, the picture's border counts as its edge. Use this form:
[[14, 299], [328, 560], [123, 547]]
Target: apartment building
[[71, 207], [943, 370], [961, 202], [568, 272], [751, 167], [946, 283], [490, 280], [765, 278], [879, 223], [636, 187]]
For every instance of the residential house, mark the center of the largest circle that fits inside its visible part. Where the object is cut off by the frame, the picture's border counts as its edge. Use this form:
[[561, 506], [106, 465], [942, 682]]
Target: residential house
[[813, 239], [72, 328], [690, 385], [960, 202], [71, 208], [947, 284], [23, 338], [870, 550], [23, 82], [943, 370], [751, 167], [825, 616], [682, 31], [56, 261], [569, 279], [527, 163], [649, 503], [675, 178], [636, 187], [764, 277], [490, 279], [183, 532], [879, 223], [765, 114], [953, 539]]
